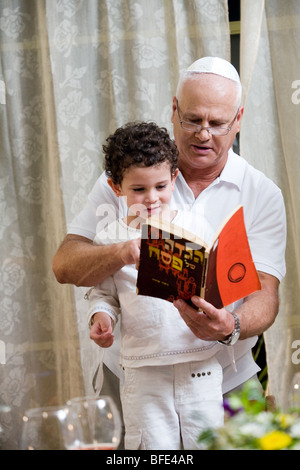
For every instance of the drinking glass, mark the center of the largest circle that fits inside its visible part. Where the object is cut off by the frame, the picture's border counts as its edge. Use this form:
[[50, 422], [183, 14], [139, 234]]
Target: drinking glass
[[5, 425], [99, 422], [49, 428]]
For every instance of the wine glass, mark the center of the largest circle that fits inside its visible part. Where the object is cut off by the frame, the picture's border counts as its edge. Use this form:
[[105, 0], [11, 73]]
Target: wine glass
[[5, 425], [98, 421], [49, 428]]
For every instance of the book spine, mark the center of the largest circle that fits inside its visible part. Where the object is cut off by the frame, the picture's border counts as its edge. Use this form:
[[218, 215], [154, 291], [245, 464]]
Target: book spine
[[203, 284]]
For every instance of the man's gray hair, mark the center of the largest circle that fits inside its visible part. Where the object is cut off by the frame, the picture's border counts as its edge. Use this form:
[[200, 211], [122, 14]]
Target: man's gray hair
[[216, 66]]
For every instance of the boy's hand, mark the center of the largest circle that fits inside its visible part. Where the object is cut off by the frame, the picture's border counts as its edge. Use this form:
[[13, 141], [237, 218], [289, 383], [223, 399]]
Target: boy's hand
[[101, 331], [130, 251]]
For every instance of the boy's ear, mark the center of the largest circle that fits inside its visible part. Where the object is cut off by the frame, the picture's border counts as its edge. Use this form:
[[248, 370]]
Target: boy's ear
[[176, 173], [174, 176], [115, 187]]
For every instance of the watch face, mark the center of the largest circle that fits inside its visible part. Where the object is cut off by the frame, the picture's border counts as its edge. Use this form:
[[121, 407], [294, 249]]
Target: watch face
[[234, 338]]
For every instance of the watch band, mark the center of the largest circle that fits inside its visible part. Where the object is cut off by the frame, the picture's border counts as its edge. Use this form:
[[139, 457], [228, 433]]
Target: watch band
[[234, 336]]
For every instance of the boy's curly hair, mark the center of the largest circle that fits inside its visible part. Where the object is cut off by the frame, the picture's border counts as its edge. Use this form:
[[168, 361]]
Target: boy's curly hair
[[140, 144]]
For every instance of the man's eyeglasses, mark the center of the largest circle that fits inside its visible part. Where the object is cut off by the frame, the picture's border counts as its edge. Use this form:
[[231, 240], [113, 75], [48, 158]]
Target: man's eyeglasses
[[214, 130]]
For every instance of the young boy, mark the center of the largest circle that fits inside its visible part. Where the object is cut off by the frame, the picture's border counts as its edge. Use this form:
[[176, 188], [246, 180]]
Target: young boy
[[172, 385]]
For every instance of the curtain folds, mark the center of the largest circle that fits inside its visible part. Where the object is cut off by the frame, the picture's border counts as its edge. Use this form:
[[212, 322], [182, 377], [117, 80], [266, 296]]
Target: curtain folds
[[270, 72], [73, 70]]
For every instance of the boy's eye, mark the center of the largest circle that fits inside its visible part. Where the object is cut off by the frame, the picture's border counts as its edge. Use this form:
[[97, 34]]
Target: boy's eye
[[159, 187]]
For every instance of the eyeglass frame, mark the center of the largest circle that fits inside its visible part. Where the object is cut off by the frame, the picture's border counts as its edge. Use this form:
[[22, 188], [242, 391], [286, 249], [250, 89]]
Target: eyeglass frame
[[199, 128]]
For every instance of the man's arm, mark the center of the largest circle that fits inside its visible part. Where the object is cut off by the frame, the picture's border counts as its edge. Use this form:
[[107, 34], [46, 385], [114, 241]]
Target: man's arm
[[256, 314], [260, 309], [78, 261]]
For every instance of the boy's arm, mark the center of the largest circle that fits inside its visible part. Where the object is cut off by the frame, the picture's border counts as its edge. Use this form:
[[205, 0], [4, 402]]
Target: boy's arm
[[103, 312], [102, 330]]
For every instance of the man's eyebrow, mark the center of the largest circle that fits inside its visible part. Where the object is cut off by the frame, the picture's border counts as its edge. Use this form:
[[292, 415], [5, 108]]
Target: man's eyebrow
[[196, 117]]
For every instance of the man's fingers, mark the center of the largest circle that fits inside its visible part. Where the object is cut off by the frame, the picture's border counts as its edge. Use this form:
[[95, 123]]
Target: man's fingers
[[205, 321], [205, 307], [192, 314]]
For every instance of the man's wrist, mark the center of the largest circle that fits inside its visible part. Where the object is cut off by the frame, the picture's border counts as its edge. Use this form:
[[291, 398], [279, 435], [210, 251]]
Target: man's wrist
[[234, 336]]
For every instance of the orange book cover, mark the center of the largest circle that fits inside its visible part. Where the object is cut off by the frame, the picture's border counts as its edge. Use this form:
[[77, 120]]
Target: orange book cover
[[175, 263], [231, 273]]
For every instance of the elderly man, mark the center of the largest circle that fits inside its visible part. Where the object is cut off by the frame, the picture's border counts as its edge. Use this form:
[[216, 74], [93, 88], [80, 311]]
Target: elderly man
[[206, 118]]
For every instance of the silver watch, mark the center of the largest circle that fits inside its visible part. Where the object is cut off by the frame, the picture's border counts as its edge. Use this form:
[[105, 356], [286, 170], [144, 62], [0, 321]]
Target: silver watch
[[234, 336]]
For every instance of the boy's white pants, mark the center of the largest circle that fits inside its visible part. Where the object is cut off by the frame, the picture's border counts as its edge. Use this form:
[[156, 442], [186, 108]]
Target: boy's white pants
[[166, 407]]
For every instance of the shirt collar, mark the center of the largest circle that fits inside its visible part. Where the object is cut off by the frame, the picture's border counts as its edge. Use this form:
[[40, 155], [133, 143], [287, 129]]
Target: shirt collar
[[233, 171]]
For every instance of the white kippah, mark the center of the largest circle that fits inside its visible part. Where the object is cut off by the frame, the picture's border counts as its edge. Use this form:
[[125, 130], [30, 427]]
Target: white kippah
[[215, 65]]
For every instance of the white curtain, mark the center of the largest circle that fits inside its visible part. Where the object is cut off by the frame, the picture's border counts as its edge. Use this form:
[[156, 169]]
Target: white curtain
[[71, 71], [269, 139]]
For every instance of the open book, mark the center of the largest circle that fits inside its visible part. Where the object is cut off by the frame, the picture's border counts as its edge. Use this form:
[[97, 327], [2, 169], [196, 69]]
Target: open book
[[175, 263]]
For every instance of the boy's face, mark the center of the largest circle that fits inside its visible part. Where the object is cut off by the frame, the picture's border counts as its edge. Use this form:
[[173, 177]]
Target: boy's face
[[147, 189]]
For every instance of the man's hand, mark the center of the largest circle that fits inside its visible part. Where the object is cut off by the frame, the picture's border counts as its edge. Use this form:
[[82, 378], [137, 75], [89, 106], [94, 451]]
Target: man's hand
[[101, 331], [256, 314], [206, 321]]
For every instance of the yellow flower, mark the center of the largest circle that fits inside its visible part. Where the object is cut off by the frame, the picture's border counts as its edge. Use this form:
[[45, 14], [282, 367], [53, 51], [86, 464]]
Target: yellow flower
[[275, 440]]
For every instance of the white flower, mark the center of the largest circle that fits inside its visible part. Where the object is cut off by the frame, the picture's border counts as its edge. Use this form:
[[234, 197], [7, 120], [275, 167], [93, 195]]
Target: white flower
[[72, 108], [32, 189], [69, 7], [264, 418], [296, 446], [149, 52], [63, 142], [295, 430], [9, 309], [252, 429], [83, 168], [12, 277], [109, 81], [13, 22], [65, 37], [8, 215]]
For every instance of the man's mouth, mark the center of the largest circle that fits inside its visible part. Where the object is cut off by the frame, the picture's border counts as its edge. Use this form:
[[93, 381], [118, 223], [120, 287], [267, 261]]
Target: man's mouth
[[201, 148]]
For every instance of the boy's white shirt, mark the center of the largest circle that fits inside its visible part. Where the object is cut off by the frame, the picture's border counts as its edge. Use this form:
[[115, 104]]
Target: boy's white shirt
[[142, 315]]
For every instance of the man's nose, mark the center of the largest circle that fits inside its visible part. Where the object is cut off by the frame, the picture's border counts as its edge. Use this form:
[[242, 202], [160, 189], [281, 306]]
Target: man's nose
[[204, 134]]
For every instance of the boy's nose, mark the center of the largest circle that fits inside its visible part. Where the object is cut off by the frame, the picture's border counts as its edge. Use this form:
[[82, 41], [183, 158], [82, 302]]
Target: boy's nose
[[151, 197]]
